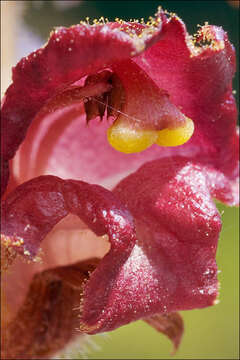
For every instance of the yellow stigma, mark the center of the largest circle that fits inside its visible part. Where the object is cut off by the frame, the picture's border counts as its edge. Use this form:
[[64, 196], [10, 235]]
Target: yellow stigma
[[176, 137], [126, 139]]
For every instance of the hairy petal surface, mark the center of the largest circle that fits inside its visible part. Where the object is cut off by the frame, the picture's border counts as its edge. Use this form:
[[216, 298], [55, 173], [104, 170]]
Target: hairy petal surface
[[50, 69], [170, 59], [204, 75], [29, 213], [172, 266], [32, 210]]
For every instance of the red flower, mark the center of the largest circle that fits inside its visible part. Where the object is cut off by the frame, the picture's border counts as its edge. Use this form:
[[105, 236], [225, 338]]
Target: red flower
[[155, 82]]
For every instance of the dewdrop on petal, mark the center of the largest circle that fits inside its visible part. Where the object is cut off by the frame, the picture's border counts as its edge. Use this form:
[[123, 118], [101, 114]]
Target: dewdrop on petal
[[124, 138], [177, 136]]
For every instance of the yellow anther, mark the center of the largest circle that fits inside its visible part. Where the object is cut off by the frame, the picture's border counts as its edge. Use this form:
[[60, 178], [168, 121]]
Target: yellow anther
[[126, 139], [176, 137]]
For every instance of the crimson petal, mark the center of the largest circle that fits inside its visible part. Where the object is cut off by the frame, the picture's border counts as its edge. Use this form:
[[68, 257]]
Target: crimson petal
[[172, 266], [199, 78], [50, 69], [203, 74], [148, 106], [32, 210]]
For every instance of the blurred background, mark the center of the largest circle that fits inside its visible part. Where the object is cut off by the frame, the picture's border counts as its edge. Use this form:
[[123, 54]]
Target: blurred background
[[211, 333]]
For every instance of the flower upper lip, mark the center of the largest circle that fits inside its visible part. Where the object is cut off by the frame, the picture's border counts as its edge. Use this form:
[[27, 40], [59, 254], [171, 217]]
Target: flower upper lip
[[20, 107]]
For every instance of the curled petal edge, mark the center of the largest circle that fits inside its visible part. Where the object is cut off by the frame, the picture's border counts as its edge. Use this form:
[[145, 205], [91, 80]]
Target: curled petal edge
[[32, 210]]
